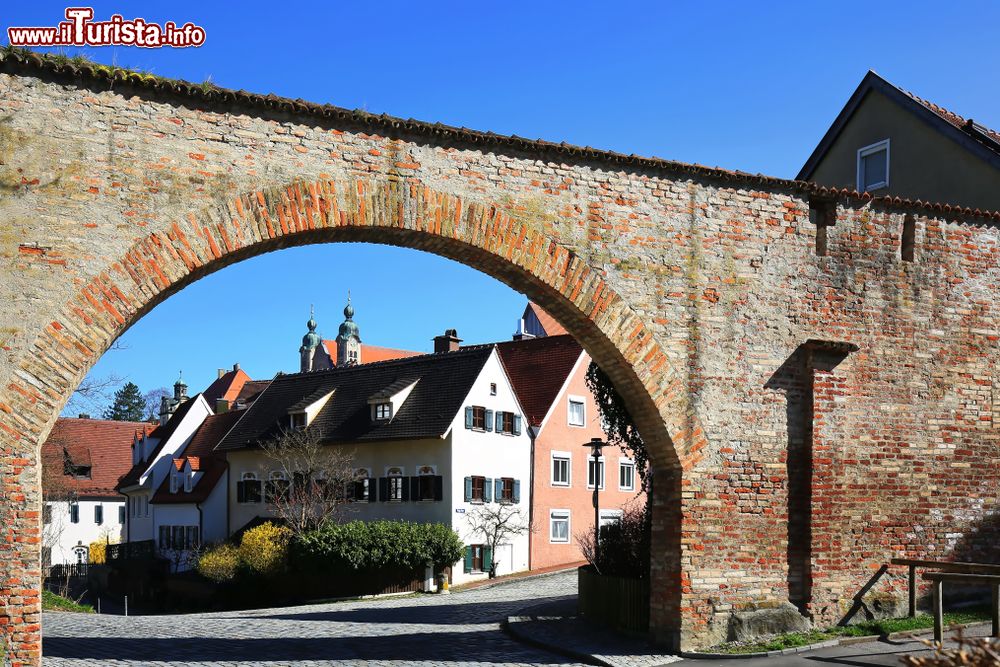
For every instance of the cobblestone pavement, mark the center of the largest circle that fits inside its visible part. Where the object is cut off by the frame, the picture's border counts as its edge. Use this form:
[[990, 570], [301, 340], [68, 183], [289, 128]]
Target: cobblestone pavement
[[462, 628]]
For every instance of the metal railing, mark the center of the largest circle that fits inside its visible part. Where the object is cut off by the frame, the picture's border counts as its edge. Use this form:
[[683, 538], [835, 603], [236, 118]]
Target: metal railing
[[144, 550]]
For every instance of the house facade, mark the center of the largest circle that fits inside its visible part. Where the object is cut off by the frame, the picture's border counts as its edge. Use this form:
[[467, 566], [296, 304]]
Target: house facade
[[888, 141], [548, 373], [434, 438], [82, 460]]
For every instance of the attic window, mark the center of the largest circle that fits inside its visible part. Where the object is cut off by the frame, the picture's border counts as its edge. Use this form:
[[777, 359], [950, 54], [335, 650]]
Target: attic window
[[382, 411], [493, 388], [297, 420], [873, 166]]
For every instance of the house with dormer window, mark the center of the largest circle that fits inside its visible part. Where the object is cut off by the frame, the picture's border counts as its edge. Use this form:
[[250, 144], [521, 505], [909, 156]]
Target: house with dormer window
[[419, 430]]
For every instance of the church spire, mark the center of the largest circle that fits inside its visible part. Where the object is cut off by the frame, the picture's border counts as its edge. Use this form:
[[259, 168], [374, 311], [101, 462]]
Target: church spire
[[310, 342], [348, 338]]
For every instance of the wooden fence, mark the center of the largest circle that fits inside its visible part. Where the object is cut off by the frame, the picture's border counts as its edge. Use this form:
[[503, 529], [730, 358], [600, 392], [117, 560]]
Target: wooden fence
[[616, 602]]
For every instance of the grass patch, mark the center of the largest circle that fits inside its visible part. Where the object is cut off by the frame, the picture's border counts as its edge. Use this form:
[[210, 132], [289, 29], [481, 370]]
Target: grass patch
[[880, 628], [53, 602]]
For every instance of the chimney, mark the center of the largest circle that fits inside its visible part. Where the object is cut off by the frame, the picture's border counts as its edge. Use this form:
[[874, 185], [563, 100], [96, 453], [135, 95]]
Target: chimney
[[521, 334], [221, 405], [449, 342], [222, 371], [236, 367], [83, 415]]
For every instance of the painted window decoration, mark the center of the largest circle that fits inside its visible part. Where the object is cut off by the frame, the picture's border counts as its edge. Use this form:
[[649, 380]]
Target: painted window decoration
[[873, 167], [559, 526], [626, 475], [595, 471], [560, 470], [577, 412], [248, 489]]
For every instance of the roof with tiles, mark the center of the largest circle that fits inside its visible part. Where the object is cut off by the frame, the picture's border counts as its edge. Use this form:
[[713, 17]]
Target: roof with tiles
[[104, 445], [538, 369], [250, 391], [227, 387], [22, 62], [163, 433], [199, 453], [372, 353], [445, 379], [549, 323]]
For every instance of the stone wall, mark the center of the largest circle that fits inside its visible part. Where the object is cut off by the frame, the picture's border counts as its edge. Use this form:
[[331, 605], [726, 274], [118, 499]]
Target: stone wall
[[862, 382]]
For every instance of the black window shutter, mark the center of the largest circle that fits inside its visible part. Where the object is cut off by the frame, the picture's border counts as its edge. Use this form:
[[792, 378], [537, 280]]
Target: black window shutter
[[405, 483], [415, 488], [383, 488], [438, 487], [241, 492]]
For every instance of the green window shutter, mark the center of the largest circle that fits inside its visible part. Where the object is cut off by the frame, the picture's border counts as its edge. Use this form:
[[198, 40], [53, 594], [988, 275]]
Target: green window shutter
[[500, 422], [488, 491], [517, 424], [517, 491], [468, 489], [468, 416], [498, 489], [468, 559], [487, 558], [489, 420]]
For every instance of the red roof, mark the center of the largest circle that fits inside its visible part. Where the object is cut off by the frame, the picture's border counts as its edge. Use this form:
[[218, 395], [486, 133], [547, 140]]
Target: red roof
[[538, 369], [199, 452], [372, 353], [552, 328], [953, 118], [105, 446], [251, 390], [227, 387]]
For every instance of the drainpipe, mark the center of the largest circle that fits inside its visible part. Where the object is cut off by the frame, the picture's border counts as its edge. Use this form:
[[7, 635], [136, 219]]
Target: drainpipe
[[532, 434]]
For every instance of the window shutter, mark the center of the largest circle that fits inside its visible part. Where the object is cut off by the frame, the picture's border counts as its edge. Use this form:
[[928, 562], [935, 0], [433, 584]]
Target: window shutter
[[468, 416], [438, 487], [163, 537], [499, 422], [241, 492], [468, 559], [415, 488], [489, 420], [498, 489], [468, 489], [383, 488], [488, 491], [98, 514], [517, 424], [405, 483], [517, 491], [487, 558]]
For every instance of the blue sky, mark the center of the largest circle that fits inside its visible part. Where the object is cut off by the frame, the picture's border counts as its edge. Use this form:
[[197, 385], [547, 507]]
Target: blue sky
[[748, 86]]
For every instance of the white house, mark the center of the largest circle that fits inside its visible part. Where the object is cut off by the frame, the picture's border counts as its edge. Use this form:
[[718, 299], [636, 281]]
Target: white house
[[153, 458], [82, 460], [434, 438]]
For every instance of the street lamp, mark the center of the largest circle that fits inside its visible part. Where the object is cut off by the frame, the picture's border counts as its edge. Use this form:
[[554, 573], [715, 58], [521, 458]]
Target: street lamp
[[595, 445]]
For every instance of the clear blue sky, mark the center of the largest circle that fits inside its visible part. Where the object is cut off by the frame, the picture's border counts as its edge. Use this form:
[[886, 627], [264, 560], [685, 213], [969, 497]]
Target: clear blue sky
[[748, 86]]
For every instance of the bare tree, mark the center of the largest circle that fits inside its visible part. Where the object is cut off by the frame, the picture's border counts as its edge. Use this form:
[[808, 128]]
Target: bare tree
[[307, 483], [497, 523], [152, 398], [94, 393]]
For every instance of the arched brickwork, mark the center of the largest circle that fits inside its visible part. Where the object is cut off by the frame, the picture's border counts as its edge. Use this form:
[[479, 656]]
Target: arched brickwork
[[811, 416]]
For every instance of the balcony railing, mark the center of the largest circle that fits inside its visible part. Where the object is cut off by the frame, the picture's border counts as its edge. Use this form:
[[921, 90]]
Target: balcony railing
[[144, 550]]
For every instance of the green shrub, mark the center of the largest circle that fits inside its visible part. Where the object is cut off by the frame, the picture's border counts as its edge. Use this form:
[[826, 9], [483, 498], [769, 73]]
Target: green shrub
[[377, 545], [264, 549], [220, 564]]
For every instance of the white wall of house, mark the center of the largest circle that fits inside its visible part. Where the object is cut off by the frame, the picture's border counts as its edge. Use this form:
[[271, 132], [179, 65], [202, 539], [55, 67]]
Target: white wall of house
[[492, 455], [141, 522], [69, 541], [214, 513]]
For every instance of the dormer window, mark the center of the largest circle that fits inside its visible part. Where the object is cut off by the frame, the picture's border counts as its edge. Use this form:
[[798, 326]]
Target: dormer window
[[383, 411], [297, 420]]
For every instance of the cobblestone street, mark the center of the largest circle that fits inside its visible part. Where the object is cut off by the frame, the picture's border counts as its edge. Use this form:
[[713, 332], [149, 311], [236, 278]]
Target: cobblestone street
[[463, 628]]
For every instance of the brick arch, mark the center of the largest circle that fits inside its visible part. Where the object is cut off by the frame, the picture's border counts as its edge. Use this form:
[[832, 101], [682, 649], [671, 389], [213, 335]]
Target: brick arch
[[484, 236]]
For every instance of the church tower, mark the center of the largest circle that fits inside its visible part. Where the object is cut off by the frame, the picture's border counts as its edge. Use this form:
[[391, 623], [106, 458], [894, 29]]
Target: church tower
[[349, 338], [311, 342]]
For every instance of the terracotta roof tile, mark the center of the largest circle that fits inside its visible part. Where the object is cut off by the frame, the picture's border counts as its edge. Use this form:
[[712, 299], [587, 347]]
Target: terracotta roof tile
[[106, 446], [227, 387], [552, 328], [199, 452], [538, 368], [372, 353]]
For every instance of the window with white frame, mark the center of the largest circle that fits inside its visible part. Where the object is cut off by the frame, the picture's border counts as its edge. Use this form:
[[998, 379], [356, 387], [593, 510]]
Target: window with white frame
[[626, 475], [561, 462], [248, 488], [383, 411], [577, 411], [396, 481], [362, 485], [873, 166], [298, 420], [559, 526], [595, 471]]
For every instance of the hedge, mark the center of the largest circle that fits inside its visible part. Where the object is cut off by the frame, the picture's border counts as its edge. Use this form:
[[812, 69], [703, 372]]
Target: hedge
[[368, 546]]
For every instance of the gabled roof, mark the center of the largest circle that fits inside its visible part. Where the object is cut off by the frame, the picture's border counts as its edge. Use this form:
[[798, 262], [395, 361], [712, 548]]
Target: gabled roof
[[227, 387], [549, 324], [980, 140], [199, 452], [251, 390], [538, 368], [372, 353], [445, 380], [104, 445], [163, 433]]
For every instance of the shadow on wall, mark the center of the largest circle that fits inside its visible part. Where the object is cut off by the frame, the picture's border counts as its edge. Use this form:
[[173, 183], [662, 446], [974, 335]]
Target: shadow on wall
[[981, 543]]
